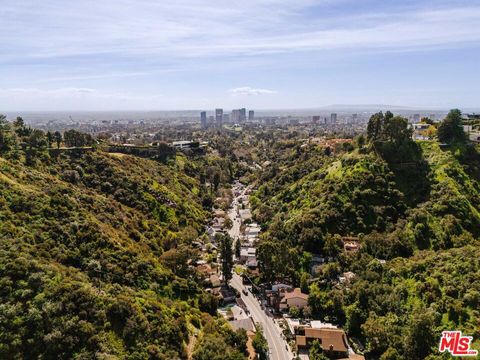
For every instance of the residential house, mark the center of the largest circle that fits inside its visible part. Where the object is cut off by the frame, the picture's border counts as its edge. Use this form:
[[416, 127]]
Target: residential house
[[350, 244], [252, 270], [332, 341], [250, 241], [317, 324], [247, 254], [419, 131], [472, 132], [219, 212], [293, 298], [228, 295], [346, 277], [276, 293], [217, 224], [279, 287], [205, 270], [252, 230], [252, 264], [210, 231], [316, 264], [184, 144], [245, 214]]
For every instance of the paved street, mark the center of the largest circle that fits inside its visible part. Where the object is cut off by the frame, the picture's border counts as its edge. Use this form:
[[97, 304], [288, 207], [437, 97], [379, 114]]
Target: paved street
[[272, 332], [234, 232], [277, 345]]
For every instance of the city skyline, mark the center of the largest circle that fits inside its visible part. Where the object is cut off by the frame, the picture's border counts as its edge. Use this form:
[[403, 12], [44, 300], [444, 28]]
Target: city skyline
[[145, 55]]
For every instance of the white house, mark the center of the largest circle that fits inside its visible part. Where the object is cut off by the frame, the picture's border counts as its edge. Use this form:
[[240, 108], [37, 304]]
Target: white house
[[472, 132], [419, 131], [252, 230], [247, 254]]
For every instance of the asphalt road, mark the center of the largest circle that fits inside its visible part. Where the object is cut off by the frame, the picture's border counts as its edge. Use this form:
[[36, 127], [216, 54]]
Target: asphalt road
[[234, 232], [277, 345]]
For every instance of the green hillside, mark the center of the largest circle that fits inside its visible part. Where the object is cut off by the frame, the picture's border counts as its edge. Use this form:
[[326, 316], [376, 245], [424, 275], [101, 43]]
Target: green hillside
[[81, 268], [414, 204], [433, 199]]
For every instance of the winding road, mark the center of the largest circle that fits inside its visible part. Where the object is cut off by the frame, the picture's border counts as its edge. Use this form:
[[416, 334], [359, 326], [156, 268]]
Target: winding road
[[278, 348]]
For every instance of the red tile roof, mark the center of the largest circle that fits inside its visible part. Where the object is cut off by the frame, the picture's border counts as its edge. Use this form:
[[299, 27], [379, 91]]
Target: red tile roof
[[329, 338], [296, 293]]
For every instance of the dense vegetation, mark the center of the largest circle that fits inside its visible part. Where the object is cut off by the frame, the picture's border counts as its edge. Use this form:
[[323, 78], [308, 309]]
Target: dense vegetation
[[95, 247], [414, 204], [94, 250]]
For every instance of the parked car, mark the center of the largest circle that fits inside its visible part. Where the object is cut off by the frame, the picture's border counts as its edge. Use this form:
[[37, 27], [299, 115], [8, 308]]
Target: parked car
[[245, 292]]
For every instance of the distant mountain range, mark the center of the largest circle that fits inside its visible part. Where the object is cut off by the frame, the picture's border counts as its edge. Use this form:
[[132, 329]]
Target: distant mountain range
[[367, 107], [377, 107]]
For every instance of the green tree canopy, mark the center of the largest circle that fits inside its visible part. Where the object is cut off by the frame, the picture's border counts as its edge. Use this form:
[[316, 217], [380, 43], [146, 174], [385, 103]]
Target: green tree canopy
[[388, 128], [75, 138], [316, 351], [260, 344], [450, 129]]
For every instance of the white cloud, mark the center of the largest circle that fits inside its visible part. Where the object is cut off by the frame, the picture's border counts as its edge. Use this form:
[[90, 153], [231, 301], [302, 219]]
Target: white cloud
[[80, 90], [192, 28], [70, 91], [122, 53], [249, 91]]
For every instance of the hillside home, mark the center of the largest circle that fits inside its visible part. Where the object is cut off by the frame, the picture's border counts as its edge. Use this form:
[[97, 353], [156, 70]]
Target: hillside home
[[245, 214], [248, 254], [332, 341], [293, 298], [419, 131], [350, 244]]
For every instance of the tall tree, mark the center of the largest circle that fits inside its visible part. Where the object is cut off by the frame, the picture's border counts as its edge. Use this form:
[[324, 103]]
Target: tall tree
[[36, 140], [6, 137], [427, 120], [260, 344], [238, 247], [360, 141], [18, 123], [388, 128], [226, 254], [216, 180], [73, 138], [58, 138], [49, 139], [450, 129], [396, 129], [20, 128], [228, 223], [375, 126]]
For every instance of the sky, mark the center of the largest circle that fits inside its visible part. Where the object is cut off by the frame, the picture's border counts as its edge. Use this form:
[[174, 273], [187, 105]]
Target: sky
[[261, 54]]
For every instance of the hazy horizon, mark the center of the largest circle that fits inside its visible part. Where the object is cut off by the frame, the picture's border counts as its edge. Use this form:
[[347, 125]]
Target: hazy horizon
[[87, 116], [314, 109]]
